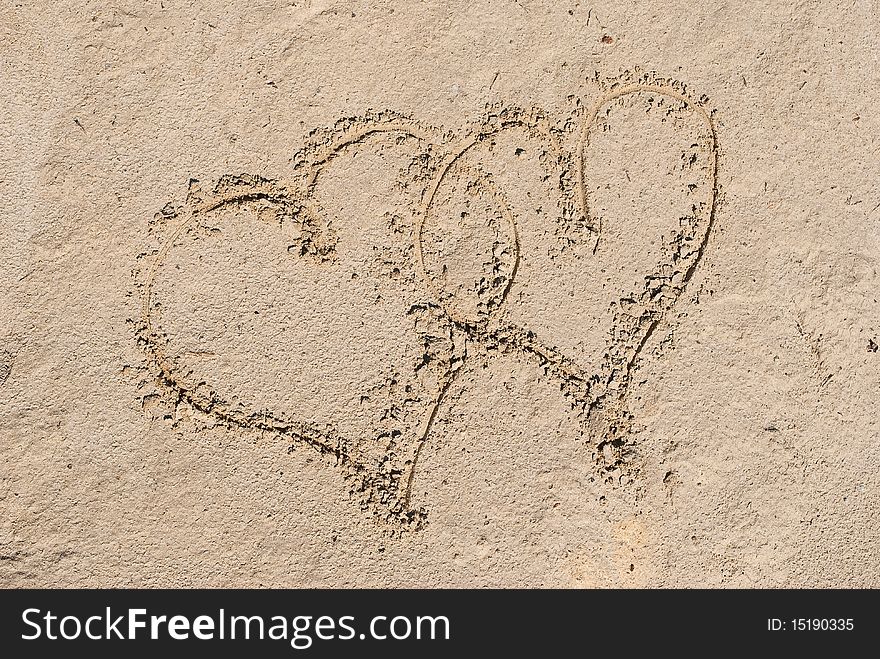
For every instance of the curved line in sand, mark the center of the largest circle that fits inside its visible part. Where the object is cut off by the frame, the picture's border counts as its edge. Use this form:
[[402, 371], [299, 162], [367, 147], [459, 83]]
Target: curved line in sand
[[588, 125]]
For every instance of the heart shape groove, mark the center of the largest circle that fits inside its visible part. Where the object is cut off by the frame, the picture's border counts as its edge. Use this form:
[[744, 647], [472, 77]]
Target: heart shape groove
[[471, 269]]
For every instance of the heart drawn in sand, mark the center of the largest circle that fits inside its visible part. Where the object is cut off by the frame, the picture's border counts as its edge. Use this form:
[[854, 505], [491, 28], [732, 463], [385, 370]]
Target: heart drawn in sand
[[336, 307]]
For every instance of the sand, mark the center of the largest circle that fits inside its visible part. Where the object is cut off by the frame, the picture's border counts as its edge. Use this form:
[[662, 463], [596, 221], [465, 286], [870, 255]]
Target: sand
[[439, 294]]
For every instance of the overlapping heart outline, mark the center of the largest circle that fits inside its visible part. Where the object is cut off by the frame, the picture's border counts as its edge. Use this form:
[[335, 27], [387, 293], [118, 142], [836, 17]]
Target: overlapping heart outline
[[599, 397]]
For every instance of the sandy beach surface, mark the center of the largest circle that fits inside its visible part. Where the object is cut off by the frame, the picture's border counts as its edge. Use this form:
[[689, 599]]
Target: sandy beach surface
[[306, 293]]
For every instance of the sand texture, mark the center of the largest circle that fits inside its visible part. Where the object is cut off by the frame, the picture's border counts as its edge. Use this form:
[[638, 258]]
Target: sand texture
[[521, 293]]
